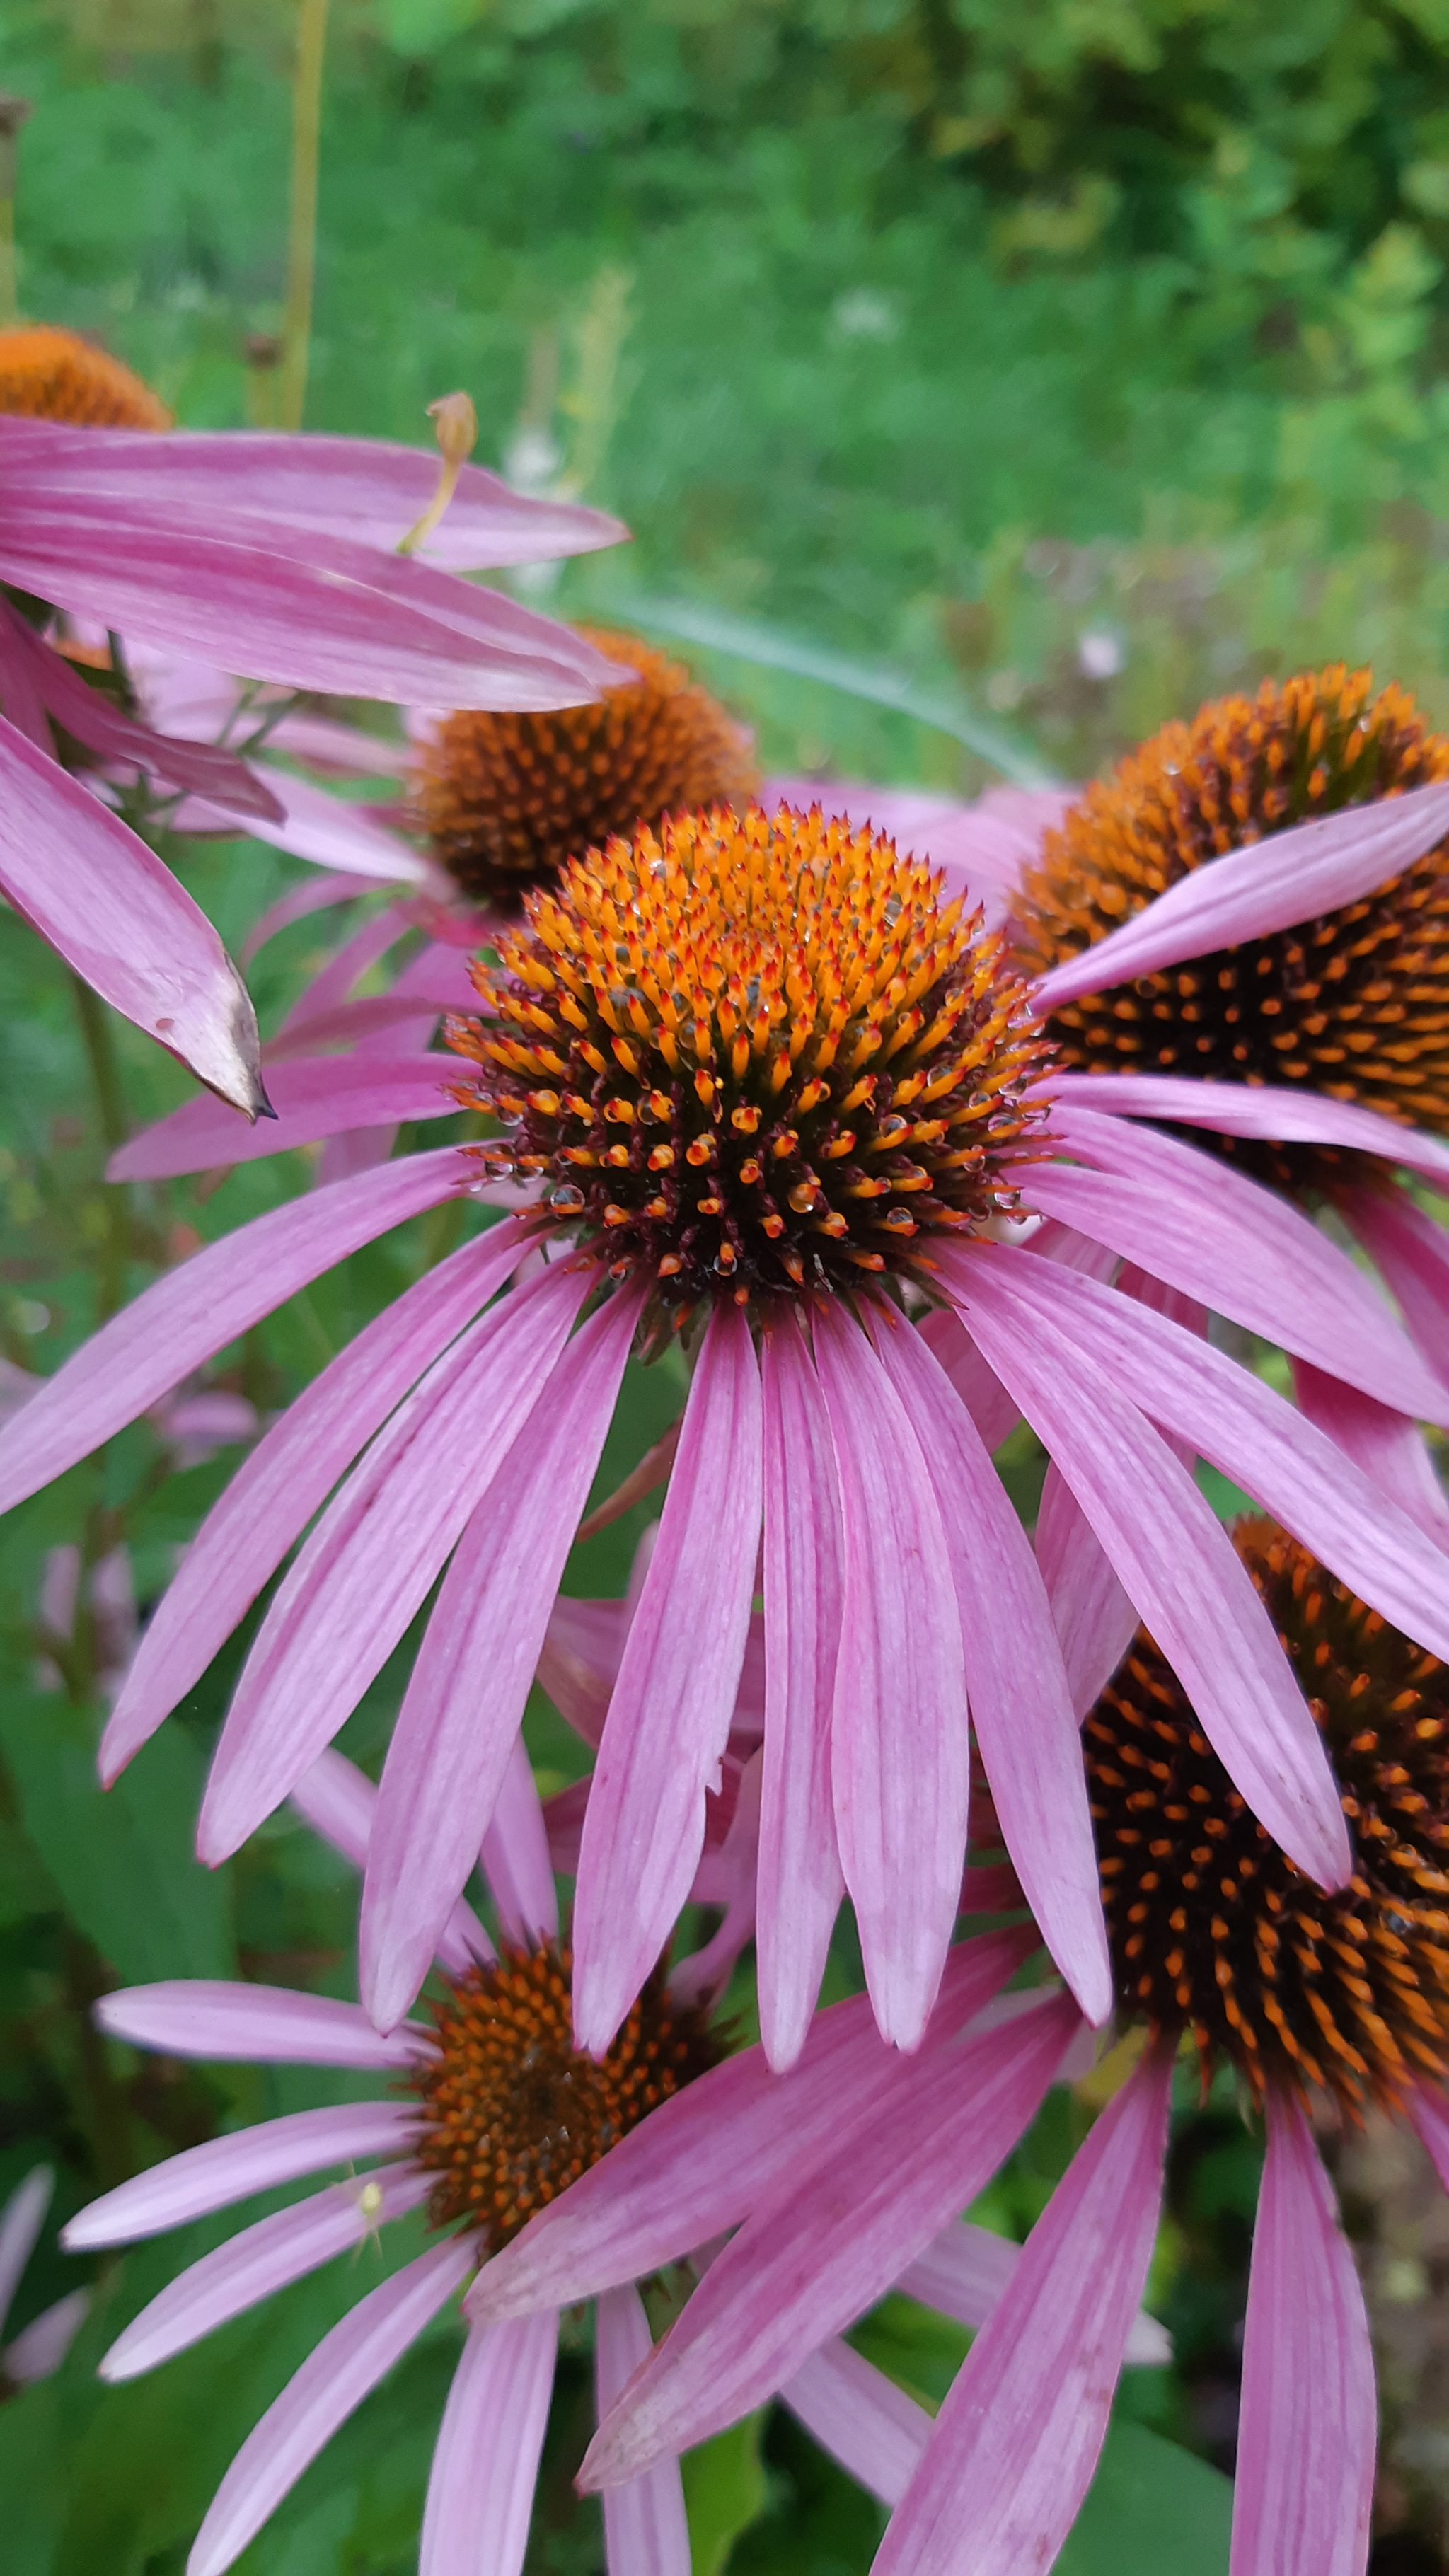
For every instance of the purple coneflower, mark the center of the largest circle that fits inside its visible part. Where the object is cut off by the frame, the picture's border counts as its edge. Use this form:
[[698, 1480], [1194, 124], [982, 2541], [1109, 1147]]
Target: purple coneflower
[[272, 552]]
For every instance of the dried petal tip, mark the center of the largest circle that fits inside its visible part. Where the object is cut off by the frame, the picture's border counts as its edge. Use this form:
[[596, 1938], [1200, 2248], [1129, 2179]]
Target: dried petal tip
[[46, 374], [455, 426], [1351, 1003]]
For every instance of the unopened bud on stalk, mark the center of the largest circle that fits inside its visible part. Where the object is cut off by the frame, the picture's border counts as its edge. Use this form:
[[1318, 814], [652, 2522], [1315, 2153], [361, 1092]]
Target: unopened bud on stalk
[[455, 425]]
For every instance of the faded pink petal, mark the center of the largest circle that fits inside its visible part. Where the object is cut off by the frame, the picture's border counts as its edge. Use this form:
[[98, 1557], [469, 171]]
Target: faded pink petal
[[222, 2170], [515, 1858], [1308, 2422], [21, 2221], [453, 1742], [1249, 893], [1389, 1448], [994, 1412], [289, 1474], [260, 2261], [645, 2530], [340, 1803], [900, 1746], [485, 2465], [799, 1883], [371, 1560], [1014, 2447], [346, 2366], [120, 919], [825, 2246], [207, 2017], [314, 894], [304, 820], [1412, 1251], [1094, 1616], [1240, 1109], [860, 2417], [669, 1718], [40, 2348], [320, 1096], [966, 2270], [1020, 1702]]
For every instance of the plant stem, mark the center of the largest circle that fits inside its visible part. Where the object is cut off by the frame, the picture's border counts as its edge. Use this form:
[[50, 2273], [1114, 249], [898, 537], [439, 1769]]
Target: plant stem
[[13, 113], [302, 236], [95, 1029]]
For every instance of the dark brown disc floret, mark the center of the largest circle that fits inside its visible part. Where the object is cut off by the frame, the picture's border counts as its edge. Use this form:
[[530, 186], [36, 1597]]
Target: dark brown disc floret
[[1354, 1003], [756, 1054], [512, 2112], [506, 799], [1213, 1929]]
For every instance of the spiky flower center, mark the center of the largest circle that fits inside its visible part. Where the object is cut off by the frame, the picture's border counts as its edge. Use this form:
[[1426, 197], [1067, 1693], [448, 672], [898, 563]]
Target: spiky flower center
[[755, 1054], [511, 2112], [1354, 1003], [1213, 1929], [46, 374], [506, 799]]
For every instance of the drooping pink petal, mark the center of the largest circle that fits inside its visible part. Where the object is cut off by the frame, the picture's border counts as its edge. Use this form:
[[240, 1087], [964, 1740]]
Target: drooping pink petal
[[1239, 1109], [485, 2466], [1389, 1448], [1412, 1251], [1020, 1701], [993, 1411], [340, 1803], [99, 896], [1169, 1550], [382, 1020], [1093, 1615], [262, 2260], [1192, 1220], [1270, 885], [799, 1884], [368, 489], [645, 2530], [966, 2270], [1308, 2421], [314, 894], [699, 2161], [899, 1745], [346, 2366], [515, 1857], [372, 1558], [222, 2170], [277, 2025], [308, 823], [289, 1474], [1429, 2111], [319, 1096], [41, 2347], [21, 2221], [860, 2417], [1014, 2447], [824, 2247], [669, 1717], [1229, 1416], [453, 1741], [196, 1309]]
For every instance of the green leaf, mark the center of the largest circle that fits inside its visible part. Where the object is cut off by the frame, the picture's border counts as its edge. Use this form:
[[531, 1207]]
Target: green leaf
[[1153, 2510], [724, 2492], [122, 1858]]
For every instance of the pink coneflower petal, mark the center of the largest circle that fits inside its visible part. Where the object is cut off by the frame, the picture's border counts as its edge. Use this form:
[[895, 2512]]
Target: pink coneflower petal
[[1308, 2421], [21, 2221], [1389, 1448], [318, 1096], [822, 2249], [699, 2162], [645, 2530], [799, 1883], [121, 920], [315, 894], [994, 1412], [1413, 1254], [261, 2260], [368, 489], [1269, 885], [1020, 1701], [1229, 1416], [289, 1474], [900, 1750], [1170, 1552], [454, 1738], [965, 2271], [485, 2465], [1243, 1249], [515, 1856], [1429, 2111], [1094, 1616], [205, 1303], [1015, 2444], [669, 1718], [1236, 1109], [309, 823], [41, 2347], [860, 2417], [340, 1803], [206, 2017], [380, 1020], [346, 2366], [223, 2170], [372, 1559]]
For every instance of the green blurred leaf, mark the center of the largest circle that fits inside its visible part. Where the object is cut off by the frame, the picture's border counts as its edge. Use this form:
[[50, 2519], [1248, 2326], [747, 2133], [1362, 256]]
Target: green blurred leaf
[[1154, 2510], [724, 2492], [121, 1858]]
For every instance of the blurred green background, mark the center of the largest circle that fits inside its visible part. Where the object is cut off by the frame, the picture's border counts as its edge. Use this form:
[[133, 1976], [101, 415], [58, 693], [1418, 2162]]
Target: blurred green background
[[1046, 369]]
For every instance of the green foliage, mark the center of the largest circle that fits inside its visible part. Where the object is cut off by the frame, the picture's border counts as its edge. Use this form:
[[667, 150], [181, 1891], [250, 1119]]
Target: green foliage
[[724, 2493]]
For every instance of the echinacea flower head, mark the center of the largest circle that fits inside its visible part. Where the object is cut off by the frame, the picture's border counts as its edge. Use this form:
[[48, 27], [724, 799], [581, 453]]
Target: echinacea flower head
[[1351, 1000], [49, 374], [505, 800]]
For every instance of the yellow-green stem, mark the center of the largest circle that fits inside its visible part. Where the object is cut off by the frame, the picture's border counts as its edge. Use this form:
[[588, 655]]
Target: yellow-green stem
[[302, 237]]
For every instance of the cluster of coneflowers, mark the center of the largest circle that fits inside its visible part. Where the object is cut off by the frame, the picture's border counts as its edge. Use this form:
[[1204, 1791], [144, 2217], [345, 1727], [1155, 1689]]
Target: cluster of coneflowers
[[903, 1125]]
